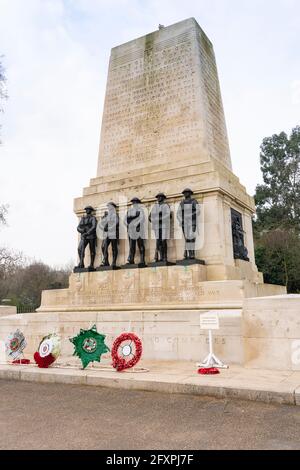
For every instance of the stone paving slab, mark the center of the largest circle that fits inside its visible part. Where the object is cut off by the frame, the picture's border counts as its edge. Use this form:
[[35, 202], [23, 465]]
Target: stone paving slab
[[172, 377]]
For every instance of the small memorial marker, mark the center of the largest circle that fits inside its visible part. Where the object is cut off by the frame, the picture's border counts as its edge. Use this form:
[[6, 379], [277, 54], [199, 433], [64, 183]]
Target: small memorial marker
[[210, 321]]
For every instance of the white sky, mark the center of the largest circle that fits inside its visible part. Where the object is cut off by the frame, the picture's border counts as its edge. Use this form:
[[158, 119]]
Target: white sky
[[56, 60]]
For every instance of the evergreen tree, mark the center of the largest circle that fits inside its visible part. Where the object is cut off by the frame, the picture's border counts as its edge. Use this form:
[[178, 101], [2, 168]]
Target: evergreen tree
[[277, 224], [278, 199]]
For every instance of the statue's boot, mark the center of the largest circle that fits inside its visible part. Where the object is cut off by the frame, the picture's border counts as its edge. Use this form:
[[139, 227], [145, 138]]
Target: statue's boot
[[114, 261], [142, 255], [91, 266], [164, 255], [131, 255], [81, 260]]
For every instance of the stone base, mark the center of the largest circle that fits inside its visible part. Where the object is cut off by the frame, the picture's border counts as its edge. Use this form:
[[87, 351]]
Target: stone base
[[271, 330], [162, 306], [159, 264], [165, 287], [134, 266], [189, 262], [108, 268], [261, 333], [242, 259], [166, 335], [83, 270]]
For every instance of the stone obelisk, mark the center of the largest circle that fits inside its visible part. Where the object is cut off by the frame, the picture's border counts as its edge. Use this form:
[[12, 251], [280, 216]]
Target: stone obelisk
[[163, 103]]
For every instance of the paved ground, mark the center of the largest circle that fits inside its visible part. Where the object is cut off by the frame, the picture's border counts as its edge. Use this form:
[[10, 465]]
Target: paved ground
[[58, 416]]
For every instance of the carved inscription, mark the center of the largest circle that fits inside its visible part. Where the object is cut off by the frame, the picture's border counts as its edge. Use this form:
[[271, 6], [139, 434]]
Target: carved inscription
[[150, 295], [150, 113], [162, 104]]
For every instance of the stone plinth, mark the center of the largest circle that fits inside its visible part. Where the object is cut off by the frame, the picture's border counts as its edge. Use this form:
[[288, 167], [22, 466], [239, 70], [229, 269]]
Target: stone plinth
[[6, 310], [217, 191], [161, 288], [271, 328], [166, 334]]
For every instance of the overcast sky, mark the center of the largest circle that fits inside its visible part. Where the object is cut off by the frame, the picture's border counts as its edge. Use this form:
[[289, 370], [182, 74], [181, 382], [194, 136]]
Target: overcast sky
[[56, 59]]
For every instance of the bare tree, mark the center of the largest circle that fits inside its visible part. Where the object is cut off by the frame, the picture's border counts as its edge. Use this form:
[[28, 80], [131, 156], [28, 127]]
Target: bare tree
[[10, 262], [3, 213], [3, 92], [23, 280], [31, 279]]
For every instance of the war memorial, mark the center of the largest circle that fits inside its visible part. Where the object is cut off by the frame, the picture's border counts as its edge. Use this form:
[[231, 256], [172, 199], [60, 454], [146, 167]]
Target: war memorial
[[165, 227]]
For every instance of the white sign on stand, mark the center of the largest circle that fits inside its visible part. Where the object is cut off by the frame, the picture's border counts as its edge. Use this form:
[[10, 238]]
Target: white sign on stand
[[210, 321]]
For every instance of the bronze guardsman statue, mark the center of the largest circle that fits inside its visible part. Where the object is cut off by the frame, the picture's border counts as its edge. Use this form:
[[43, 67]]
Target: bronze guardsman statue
[[160, 218], [187, 215], [239, 249], [135, 223], [87, 228], [109, 224]]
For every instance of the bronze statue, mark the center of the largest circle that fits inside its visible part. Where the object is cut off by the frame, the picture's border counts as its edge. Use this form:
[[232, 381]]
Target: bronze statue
[[187, 216], [87, 228], [239, 249], [109, 224], [160, 218], [135, 222]]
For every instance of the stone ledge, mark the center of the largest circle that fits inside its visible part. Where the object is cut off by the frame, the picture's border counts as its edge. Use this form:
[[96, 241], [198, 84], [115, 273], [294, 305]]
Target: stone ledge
[[238, 304], [280, 387], [7, 310], [297, 396]]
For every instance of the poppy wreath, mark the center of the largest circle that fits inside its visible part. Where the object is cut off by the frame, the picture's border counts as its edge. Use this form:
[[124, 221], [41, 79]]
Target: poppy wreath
[[126, 351], [48, 351], [15, 345], [208, 371]]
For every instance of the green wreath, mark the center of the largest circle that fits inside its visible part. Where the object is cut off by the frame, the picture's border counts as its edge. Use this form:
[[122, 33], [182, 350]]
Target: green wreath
[[89, 346]]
